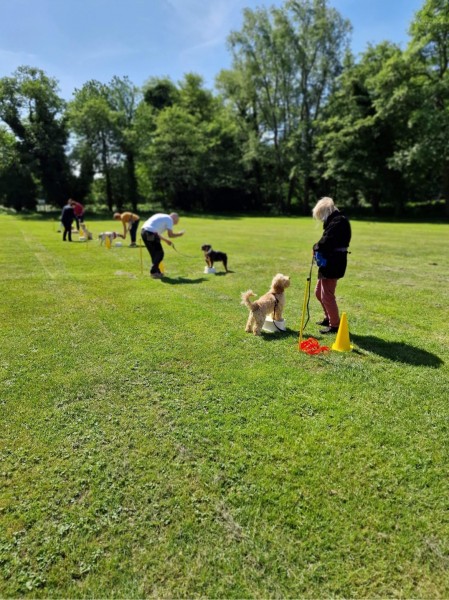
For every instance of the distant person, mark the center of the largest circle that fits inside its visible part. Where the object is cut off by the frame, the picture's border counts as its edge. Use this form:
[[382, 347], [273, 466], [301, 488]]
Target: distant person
[[152, 231], [78, 209], [331, 255], [130, 223], [67, 218]]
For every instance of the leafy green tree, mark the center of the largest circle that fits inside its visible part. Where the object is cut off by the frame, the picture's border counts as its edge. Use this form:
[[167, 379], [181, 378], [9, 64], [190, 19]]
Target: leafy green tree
[[428, 92], [287, 60], [192, 157], [160, 92], [17, 186], [33, 111], [103, 119], [124, 98], [358, 139], [90, 118]]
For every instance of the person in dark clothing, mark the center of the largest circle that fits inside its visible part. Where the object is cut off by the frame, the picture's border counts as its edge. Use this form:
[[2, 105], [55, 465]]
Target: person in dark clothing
[[331, 256], [67, 218]]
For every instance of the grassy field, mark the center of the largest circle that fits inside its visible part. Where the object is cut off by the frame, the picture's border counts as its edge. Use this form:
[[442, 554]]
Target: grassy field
[[151, 448]]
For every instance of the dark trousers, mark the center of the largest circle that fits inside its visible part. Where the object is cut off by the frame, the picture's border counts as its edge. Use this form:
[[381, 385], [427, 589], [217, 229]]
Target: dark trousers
[[154, 247], [79, 219], [67, 230], [133, 231]]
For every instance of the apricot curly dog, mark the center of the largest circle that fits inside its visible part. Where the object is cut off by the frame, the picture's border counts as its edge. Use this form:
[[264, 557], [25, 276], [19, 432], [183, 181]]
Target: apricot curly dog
[[272, 303]]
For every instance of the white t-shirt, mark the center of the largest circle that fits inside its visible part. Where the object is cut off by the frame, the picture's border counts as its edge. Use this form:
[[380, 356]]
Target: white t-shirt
[[158, 223]]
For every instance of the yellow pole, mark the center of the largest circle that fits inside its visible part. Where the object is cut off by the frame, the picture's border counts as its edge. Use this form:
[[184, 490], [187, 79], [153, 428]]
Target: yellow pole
[[304, 307]]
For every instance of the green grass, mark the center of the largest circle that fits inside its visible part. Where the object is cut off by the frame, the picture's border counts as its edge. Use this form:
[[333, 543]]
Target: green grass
[[150, 447]]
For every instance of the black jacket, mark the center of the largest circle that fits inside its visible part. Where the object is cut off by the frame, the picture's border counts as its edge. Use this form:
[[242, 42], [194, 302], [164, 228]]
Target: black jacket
[[333, 246], [67, 215]]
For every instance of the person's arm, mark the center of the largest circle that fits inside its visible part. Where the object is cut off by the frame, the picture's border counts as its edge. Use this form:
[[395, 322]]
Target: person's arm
[[161, 237], [172, 234], [124, 229]]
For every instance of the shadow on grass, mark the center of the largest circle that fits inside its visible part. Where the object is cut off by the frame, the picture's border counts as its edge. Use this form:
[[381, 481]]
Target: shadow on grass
[[397, 351], [279, 335], [179, 280]]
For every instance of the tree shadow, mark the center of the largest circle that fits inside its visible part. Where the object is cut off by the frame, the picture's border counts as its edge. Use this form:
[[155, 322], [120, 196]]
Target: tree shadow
[[398, 351], [179, 280]]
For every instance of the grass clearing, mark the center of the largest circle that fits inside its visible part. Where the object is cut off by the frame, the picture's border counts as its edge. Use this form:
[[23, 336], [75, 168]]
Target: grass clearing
[[150, 447]]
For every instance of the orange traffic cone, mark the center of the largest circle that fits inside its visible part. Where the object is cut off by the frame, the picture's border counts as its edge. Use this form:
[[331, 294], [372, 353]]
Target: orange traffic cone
[[342, 343]]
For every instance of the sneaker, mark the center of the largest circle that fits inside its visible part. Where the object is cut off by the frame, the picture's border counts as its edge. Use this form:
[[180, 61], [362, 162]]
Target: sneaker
[[156, 275], [329, 330], [133, 245], [324, 322]]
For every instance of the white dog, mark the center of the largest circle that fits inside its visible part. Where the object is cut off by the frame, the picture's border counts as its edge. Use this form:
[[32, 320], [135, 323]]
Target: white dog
[[111, 235]]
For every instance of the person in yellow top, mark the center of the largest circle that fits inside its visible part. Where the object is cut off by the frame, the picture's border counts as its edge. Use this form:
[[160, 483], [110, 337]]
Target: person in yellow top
[[130, 223]]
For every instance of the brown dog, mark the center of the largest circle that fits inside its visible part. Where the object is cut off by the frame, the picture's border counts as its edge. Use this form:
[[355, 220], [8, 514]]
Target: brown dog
[[211, 256], [272, 303]]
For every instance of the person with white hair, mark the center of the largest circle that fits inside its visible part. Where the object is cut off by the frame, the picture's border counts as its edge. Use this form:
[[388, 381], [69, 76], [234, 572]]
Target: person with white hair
[[331, 255], [151, 233]]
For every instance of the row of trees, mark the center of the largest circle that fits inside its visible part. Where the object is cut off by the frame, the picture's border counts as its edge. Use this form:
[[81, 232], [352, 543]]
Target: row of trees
[[296, 117]]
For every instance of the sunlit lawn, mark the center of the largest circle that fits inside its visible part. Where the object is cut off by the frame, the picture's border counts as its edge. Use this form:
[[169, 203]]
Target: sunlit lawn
[[150, 447]]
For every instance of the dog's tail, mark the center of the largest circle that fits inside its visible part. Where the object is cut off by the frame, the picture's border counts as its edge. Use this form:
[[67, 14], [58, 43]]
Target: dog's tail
[[247, 302]]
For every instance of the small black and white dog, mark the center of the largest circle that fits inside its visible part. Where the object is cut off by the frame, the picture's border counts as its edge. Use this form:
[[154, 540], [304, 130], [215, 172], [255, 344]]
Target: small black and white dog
[[211, 256]]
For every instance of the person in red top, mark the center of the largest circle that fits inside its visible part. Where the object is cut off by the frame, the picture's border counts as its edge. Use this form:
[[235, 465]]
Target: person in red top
[[78, 209]]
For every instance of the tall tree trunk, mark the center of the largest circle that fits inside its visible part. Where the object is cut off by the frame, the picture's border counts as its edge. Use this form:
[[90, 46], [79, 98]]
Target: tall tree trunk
[[104, 162]]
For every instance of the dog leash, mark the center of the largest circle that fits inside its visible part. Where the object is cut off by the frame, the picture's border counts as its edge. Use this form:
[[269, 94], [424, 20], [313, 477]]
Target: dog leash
[[276, 302], [181, 253]]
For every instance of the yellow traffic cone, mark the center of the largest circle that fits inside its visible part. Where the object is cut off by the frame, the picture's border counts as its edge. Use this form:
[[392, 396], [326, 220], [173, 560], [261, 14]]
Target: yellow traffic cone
[[108, 242], [342, 343], [161, 268]]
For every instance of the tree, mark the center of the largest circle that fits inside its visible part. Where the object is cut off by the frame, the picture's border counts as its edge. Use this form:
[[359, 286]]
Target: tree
[[192, 157], [123, 98], [160, 92], [103, 119], [287, 59], [428, 52], [17, 187], [90, 118], [33, 111], [358, 139]]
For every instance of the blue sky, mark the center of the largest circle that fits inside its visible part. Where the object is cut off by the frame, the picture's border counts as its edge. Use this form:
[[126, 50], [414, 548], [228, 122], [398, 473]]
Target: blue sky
[[78, 40]]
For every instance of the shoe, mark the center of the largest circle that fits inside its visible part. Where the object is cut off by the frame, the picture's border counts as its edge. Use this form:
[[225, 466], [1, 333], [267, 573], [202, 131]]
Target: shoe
[[324, 322], [329, 330], [156, 275], [133, 245]]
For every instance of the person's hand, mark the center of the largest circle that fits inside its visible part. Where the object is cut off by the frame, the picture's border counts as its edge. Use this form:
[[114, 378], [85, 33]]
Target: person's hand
[[169, 242]]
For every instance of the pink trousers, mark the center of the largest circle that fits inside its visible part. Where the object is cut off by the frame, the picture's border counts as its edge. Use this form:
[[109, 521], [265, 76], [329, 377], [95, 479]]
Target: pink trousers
[[325, 293]]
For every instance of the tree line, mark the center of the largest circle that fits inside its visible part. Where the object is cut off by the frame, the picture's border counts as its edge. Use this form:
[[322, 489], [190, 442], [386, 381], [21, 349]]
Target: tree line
[[296, 117]]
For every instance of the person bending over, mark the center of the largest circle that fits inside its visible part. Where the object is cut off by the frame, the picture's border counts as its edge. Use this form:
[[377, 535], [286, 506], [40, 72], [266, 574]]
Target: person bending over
[[78, 210], [151, 233], [331, 255], [130, 223]]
